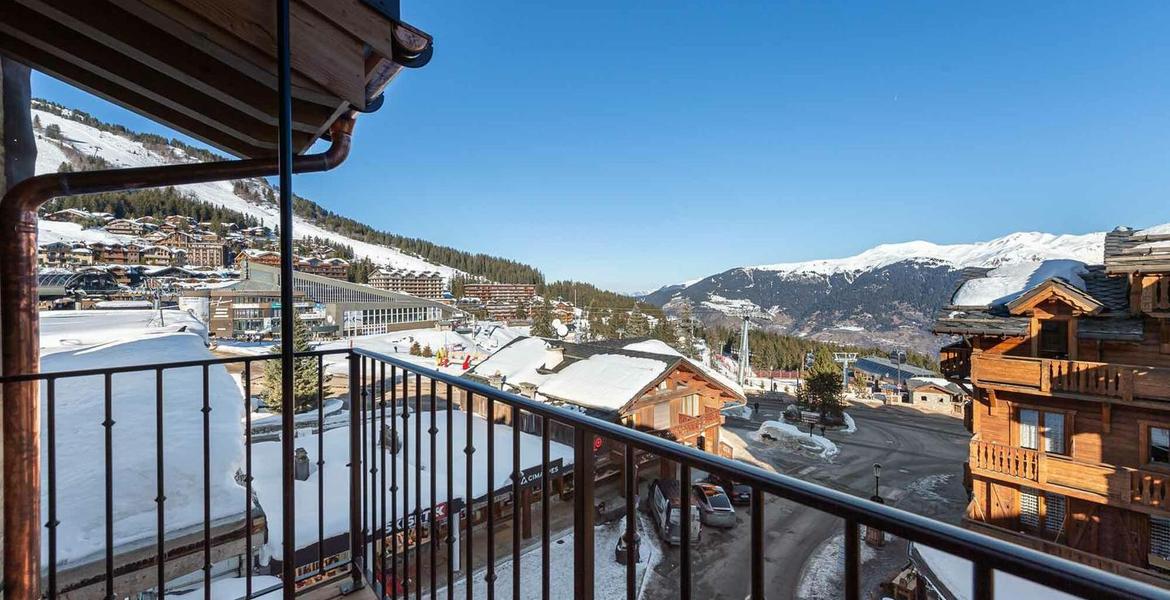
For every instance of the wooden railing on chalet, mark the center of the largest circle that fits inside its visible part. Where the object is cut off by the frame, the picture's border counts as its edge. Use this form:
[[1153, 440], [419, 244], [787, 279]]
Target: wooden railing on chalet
[[1071, 377], [1005, 460], [1070, 553], [689, 426], [955, 361], [1149, 488], [1156, 294]]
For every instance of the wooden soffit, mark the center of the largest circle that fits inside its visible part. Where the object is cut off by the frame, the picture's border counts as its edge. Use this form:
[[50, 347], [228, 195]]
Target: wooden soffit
[[1058, 290], [208, 67]]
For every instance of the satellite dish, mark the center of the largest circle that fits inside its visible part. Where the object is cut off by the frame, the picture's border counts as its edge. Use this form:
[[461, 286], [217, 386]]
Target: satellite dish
[[560, 328]]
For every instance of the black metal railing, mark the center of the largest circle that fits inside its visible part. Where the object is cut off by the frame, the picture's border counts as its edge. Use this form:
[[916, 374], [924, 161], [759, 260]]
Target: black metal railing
[[399, 411]]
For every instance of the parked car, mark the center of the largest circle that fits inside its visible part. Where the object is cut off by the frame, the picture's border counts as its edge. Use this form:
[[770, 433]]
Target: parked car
[[714, 506], [665, 506], [739, 493]]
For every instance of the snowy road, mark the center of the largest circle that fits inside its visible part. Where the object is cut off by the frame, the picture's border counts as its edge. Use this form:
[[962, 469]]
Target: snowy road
[[922, 458]]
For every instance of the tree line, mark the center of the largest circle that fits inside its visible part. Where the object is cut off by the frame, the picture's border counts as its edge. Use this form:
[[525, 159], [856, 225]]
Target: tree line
[[154, 202], [776, 351]]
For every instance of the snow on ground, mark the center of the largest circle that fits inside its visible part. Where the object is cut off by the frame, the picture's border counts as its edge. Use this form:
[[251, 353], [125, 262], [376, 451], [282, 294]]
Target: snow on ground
[[790, 434], [925, 488], [123, 152], [1163, 229], [954, 573], [850, 425], [80, 439], [267, 471], [480, 343], [609, 576], [232, 588], [1010, 249], [73, 329], [49, 232], [1006, 283], [824, 572]]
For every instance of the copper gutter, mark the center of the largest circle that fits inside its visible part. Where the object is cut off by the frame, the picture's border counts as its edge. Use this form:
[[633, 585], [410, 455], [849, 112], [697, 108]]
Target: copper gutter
[[19, 323]]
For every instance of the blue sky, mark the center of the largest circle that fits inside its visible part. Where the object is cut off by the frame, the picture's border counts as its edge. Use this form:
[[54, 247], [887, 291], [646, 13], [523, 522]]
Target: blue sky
[[634, 144]]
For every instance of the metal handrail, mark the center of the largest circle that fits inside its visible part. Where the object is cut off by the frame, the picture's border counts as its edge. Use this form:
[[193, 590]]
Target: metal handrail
[[985, 552]]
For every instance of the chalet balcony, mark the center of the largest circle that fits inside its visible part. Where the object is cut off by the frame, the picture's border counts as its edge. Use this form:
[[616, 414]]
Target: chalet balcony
[[1149, 488], [1069, 553], [1000, 459], [955, 361], [1071, 378], [689, 428]]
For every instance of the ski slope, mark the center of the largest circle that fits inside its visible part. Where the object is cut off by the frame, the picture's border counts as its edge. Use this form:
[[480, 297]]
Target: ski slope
[[123, 152]]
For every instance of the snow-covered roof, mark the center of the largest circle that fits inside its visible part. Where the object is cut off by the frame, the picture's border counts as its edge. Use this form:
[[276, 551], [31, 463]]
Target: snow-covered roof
[[605, 381], [917, 382], [517, 362], [954, 574], [1003, 284], [654, 346], [267, 472], [63, 330], [80, 438]]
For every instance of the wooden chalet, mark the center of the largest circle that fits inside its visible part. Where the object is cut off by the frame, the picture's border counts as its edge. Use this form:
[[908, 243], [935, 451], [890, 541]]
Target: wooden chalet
[[1070, 379]]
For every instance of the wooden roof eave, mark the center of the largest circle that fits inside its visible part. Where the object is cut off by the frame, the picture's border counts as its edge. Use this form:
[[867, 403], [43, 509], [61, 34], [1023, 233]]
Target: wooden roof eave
[[207, 67]]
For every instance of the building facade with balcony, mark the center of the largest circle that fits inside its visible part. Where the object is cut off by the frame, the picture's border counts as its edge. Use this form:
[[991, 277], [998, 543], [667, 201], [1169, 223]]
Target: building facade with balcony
[[1069, 369], [424, 284]]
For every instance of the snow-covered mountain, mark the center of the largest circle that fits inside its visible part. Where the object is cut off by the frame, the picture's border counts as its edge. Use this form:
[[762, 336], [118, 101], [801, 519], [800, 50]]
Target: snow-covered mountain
[[886, 295], [122, 151]]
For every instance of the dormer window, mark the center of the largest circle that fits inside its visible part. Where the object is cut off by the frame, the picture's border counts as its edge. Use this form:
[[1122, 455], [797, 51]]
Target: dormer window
[[1053, 339]]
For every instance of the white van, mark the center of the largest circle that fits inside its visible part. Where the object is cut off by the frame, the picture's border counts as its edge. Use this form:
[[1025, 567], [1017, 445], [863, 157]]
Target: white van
[[666, 508]]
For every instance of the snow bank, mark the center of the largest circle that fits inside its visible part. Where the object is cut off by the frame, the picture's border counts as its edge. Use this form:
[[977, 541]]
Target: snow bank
[[80, 439], [850, 426], [1004, 284], [267, 472], [789, 433], [73, 329], [824, 572], [606, 381], [954, 574]]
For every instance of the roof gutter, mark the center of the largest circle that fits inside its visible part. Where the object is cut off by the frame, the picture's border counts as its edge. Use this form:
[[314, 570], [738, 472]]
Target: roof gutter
[[19, 322]]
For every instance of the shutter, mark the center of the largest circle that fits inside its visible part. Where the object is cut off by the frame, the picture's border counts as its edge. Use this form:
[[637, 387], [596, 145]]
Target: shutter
[[1029, 419], [1053, 514], [1160, 537], [1029, 508], [1054, 433]]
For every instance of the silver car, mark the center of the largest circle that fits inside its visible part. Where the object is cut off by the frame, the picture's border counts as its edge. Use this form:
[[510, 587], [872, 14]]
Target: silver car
[[715, 508]]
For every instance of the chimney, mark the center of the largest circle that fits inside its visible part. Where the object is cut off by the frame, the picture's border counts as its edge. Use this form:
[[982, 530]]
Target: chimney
[[301, 465], [496, 381], [553, 356], [528, 390]]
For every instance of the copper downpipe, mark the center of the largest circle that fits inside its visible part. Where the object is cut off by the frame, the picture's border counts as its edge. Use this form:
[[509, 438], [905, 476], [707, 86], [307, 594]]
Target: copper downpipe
[[20, 325]]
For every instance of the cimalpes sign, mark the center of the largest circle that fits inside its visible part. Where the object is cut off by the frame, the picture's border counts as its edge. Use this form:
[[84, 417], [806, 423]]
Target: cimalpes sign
[[532, 476]]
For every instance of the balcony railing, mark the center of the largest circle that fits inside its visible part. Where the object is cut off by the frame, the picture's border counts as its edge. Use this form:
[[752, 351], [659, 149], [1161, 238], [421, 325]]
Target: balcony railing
[[395, 413], [1072, 378], [955, 361], [1016, 462], [1149, 488], [689, 427]]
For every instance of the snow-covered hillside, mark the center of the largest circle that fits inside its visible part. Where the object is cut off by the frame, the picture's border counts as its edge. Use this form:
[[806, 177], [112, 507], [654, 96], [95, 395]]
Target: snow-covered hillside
[[1010, 249], [121, 151]]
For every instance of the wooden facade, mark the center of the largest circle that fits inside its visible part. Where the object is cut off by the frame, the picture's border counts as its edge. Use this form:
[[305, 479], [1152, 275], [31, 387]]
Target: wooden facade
[[1070, 451]]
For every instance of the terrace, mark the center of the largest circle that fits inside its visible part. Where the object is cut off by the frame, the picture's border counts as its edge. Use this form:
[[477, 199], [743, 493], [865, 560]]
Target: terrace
[[264, 81]]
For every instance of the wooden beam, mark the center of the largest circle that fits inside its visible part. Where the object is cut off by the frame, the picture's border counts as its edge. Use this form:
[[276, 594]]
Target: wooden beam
[[147, 107], [1106, 413], [133, 44], [359, 21]]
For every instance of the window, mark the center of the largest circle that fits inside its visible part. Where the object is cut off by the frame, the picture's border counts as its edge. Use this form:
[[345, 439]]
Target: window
[[1159, 541], [1029, 427], [1038, 427], [1053, 338], [662, 415], [1051, 524], [1159, 445], [691, 406]]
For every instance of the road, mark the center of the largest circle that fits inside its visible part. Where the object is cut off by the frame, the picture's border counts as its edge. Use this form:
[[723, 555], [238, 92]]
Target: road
[[922, 464]]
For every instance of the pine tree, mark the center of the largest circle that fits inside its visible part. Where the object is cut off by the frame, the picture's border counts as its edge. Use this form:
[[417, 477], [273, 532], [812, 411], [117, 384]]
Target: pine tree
[[542, 320], [304, 373], [637, 325], [822, 392], [415, 349], [427, 352]]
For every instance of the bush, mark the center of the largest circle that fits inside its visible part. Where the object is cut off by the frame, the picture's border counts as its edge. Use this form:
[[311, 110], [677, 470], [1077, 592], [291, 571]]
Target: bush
[[415, 350], [427, 352]]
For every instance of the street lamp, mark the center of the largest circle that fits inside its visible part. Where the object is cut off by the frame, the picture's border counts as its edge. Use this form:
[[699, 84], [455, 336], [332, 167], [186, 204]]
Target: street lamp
[[874, 536], [877, 477]]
